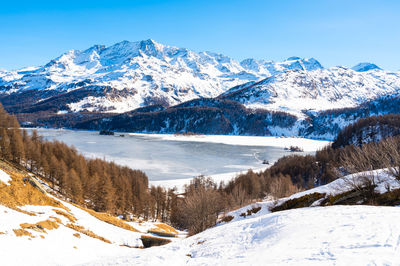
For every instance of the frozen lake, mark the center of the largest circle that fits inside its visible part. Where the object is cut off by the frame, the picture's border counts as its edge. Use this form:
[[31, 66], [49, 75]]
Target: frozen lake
[[165, 158]]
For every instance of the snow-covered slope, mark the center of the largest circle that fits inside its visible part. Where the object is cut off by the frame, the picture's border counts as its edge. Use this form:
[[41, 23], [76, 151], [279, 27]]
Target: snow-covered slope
[[336, 235], [37, 228], [128, 75], [55, 232], [320, 89], [332, 235]]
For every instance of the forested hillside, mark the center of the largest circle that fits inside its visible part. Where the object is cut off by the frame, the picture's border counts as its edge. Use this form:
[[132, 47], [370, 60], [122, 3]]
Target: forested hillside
[[94, 183]]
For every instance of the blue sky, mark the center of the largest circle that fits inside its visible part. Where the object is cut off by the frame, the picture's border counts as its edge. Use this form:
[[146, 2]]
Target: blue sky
[[336, 32]]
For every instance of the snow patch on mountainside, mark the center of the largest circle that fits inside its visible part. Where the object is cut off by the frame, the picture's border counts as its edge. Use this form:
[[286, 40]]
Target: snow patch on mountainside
[[144, 73], [321, 89]]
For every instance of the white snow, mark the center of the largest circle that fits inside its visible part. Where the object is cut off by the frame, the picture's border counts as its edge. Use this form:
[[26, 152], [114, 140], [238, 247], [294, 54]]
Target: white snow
[[336, 235], [383, 180], [57, 248], [4, 177], [179, 184], [317, 90], [141, 71], [285, 142]]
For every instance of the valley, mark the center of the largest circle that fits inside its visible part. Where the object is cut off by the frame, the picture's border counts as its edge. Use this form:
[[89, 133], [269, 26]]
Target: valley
[[199, 133], [173, 160]]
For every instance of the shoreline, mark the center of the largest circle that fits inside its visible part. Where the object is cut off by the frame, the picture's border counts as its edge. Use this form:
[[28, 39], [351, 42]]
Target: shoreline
[[308, 145]]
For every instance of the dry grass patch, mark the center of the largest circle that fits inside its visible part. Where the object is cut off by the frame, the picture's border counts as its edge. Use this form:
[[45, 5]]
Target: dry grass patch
[[77, 235], [105, 217], [163, 230], [89, 233], [58, 220], [22, 211], [70, 217], [33, 227], [49, 224], [21, 193], [166, 228], [22, 232], [42, 225]]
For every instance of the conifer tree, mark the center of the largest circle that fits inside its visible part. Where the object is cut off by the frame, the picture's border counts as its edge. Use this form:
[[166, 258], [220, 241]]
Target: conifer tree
[[5, 144]]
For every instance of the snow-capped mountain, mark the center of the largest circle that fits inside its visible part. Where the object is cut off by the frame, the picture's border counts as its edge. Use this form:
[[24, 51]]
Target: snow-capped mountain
[[320, 89], [129, 75], [362, 67]]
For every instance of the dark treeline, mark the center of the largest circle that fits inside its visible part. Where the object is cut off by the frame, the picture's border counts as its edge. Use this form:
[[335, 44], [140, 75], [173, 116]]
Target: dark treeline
[[331, 121], [374, 128], [204, 116]]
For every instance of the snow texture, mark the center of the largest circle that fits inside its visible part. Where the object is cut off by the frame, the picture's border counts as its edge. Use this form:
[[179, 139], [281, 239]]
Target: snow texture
[[137, 74], [336, 235], [4, 177]]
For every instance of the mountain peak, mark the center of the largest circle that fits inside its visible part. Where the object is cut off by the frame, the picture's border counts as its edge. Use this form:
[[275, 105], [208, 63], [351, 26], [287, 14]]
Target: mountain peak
[[150, 47], [365, 66], [293, 58], [307, 64]]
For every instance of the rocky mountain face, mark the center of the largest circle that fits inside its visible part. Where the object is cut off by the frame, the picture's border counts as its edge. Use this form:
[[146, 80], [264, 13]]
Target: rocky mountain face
[[129, 75], [138, 78], [297, 91]]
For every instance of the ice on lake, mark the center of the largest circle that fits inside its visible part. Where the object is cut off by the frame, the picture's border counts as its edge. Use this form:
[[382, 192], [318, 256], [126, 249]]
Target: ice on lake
[[168, 158]]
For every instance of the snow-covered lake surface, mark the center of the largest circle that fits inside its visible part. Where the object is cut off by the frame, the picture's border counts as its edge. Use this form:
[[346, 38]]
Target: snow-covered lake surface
[[171, 160]]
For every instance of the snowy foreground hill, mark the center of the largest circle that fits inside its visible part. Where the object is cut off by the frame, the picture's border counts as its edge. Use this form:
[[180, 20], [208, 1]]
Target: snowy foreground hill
[[336, 235], [39, 229]]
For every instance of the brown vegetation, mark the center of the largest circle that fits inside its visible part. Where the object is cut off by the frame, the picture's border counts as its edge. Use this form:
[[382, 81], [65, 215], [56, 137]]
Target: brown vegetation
[[70, 217], [22, 232], [49, 224], [21, 193], [105, 217], [227, 218], [87, 232], [163, 230], [97, 184], [301, 202], [200, 208]]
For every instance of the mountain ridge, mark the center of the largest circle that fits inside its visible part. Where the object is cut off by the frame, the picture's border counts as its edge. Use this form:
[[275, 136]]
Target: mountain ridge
[[104, 80], [148, 72]]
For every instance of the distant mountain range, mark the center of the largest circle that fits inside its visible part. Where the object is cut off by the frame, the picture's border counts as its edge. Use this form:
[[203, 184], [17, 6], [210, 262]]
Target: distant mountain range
[[131, 75]]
